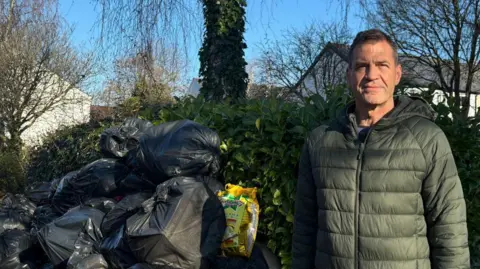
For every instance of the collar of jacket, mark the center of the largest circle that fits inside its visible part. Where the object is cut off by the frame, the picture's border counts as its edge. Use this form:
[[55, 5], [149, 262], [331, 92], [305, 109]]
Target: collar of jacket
[[405, 108]]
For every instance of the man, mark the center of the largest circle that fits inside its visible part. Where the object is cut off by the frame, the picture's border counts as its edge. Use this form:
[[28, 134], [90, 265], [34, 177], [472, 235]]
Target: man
[[378, 187]]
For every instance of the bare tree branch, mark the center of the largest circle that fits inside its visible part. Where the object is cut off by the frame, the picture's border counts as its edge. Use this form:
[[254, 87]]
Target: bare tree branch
[[284, 62], [39, 69]]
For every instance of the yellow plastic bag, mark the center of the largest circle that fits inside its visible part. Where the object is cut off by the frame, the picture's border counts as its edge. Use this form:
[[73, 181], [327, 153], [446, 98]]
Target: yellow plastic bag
[[242, 212]]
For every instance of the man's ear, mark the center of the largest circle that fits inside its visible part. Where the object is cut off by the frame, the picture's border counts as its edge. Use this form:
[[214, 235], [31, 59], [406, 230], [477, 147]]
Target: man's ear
[[398, 74]]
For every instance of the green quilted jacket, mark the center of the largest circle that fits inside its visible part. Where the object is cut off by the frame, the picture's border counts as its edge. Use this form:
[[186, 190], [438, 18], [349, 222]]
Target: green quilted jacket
[[390, 199]]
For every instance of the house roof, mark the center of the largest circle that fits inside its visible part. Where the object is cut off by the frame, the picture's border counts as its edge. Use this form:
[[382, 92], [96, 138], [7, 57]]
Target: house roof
[[101, 108], [74, 88], [101, 112], [340, 49], [419, 74], [415, 72]]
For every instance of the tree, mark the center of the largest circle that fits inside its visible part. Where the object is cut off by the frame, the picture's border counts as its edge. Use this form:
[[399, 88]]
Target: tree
[[222, 63], [284, 61], [442, 35], [39, 69], [150, 30], [120, 86], [155, 88]]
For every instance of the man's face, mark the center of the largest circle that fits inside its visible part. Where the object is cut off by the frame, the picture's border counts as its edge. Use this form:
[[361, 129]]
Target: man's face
[[373, 73]]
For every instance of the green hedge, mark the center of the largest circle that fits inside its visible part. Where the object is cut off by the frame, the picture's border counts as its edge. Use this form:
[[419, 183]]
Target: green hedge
[[464, 138], [261, 146], [12, 172], [66, 150]]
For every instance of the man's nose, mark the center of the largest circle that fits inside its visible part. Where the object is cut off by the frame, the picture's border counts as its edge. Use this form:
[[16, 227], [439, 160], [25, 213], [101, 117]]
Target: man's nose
[[372, 72]]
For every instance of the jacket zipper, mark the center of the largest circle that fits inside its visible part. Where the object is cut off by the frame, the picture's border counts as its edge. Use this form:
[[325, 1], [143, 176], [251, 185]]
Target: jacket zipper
[[361, 148]]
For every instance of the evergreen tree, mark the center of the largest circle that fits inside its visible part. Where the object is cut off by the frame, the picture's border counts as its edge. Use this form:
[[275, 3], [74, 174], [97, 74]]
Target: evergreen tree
[[222, 62]]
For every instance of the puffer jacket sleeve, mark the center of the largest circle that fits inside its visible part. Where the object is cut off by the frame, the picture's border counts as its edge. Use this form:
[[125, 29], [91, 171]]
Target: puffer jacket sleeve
[[305, 219], [445, 209]]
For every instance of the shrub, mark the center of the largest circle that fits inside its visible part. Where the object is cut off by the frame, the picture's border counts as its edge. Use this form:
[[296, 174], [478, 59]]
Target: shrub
[[66, 150], [464, 138], [12, 172]]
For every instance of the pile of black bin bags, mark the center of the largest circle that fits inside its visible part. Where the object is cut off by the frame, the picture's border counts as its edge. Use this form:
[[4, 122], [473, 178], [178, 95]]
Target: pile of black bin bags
[[150, 203]]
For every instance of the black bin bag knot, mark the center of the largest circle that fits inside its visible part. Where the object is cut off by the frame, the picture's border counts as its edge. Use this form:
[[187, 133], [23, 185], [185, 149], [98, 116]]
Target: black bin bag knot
[[117, 141]]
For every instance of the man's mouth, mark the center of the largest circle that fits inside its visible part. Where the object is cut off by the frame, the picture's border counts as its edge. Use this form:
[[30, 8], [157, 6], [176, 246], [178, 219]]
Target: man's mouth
[[372, 88]]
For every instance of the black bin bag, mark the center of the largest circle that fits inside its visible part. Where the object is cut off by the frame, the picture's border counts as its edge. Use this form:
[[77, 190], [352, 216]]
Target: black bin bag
[[38, 192], [47, 266], [135, 182], [57, 184], [140, 124], [117, 141], [142, 266], [54, 185], [272, 261], [116, 251], [76, 228], [14, 219], [101, 203], [105, 174], [16, 212], [62, 198], [178, 148], [85, 254], [181, 226], [17, 250], [97, 179], [93, 261], [212, 183], [43, 215], [119, 214], [18, 202]]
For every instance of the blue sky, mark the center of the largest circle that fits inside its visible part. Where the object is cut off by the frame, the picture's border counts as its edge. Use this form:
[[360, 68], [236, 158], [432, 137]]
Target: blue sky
[[263, 21]]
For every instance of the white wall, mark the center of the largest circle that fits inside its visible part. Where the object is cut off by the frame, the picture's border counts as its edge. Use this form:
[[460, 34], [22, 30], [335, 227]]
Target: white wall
[[330, 70], [308, 87], [439, 97], [194, 88], [68, 113]]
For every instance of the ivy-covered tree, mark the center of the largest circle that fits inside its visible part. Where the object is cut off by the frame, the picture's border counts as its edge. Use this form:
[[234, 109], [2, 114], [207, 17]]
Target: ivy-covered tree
[[222, 62]]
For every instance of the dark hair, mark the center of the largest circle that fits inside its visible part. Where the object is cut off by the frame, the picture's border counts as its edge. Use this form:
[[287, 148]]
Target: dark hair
[[372, 35]]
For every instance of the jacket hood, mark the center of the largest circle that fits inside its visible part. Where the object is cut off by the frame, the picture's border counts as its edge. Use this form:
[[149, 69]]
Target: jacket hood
[[405, 107]]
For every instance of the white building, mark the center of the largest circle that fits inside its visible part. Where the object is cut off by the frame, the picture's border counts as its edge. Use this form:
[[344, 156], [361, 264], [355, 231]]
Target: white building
[[73, 109], [194, 88], [63, 115]]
